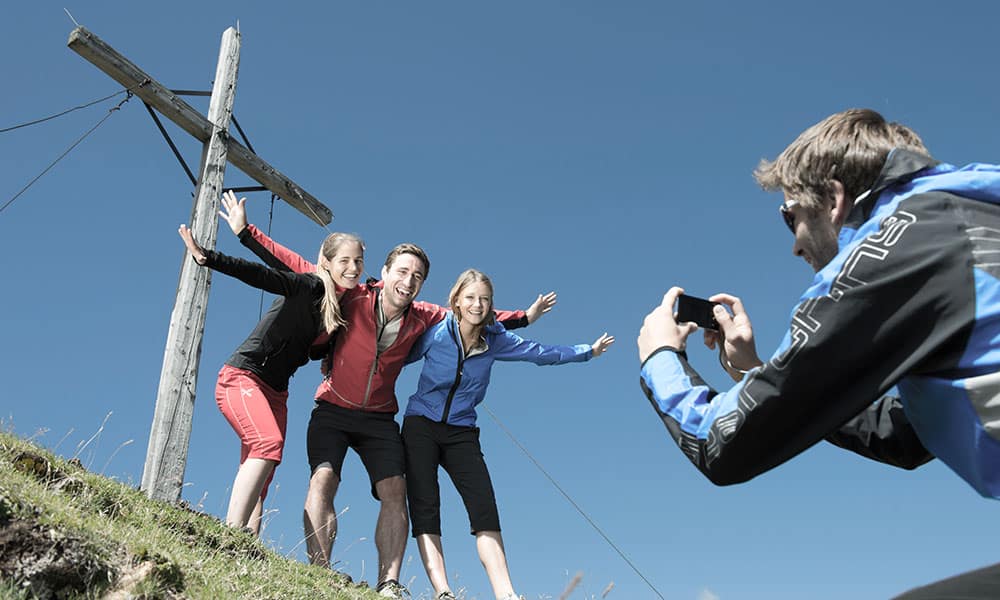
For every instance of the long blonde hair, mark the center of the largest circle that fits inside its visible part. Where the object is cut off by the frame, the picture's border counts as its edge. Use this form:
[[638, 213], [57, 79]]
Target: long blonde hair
[[467, 278], [329, 307]]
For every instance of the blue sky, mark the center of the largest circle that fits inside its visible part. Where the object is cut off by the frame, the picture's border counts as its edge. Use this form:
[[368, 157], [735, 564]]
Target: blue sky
[[601, 150]]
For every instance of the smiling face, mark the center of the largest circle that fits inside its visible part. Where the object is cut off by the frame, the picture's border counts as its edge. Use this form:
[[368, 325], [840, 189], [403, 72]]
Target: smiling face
[[402, 280], [474, 303], [347, 264], [471, 299]]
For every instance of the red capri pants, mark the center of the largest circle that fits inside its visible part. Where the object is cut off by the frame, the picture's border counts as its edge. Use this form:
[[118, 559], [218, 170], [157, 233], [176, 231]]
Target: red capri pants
[[257, 413]]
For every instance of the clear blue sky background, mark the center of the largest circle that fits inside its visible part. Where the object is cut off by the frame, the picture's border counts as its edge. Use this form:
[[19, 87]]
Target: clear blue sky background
[[599, 149]]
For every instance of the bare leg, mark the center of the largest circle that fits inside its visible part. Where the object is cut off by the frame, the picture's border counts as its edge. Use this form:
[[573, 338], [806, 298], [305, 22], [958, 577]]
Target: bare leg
[[319, 517], [255, 516], [491, 553], [246, 489], [390, 531], [433, 558]]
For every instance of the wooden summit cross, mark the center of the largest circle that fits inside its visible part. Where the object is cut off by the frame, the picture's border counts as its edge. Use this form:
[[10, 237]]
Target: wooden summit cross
[[166, 456]]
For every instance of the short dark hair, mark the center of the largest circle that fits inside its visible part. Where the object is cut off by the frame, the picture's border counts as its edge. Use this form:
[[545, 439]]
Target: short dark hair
[[413, 249]]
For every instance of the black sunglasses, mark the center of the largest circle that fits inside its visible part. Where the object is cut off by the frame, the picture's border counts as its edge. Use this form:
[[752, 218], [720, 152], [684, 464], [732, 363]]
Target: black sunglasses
[[786, 214]]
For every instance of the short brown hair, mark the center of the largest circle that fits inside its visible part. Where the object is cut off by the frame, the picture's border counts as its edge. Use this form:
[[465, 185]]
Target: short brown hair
[[413, 249], [850, 146]]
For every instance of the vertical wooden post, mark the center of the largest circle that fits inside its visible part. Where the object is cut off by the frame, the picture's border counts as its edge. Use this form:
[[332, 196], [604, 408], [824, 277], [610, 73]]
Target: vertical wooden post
[[166, 456]]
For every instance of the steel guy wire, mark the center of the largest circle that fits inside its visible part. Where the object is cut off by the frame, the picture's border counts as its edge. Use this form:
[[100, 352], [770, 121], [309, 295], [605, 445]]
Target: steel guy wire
[[65, 112], [111, 111], [571, 501]]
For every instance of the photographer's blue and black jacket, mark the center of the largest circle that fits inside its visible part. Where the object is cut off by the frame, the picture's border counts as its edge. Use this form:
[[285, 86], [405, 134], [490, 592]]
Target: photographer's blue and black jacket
[[911, 302]]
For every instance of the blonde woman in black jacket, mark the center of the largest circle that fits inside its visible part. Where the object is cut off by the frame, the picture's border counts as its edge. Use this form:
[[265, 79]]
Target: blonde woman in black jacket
[[252, 388]]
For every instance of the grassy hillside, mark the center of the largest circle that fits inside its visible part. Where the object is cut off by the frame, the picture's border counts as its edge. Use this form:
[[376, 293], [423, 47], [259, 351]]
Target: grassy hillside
[[66, 533]]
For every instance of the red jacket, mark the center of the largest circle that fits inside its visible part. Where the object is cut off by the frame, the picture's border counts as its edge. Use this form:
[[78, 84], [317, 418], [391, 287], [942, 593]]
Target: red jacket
[[359, 377]]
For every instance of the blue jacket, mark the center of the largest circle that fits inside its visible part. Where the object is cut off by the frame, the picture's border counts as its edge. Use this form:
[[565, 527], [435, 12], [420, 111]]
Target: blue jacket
[[911, 301], [451, 385]]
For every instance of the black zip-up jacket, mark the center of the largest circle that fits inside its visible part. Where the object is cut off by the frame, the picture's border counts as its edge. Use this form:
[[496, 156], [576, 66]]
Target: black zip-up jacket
[[280, 343]]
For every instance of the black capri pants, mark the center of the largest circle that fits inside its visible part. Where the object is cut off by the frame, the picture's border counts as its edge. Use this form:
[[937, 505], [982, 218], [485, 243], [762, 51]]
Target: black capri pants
[[430, 444]]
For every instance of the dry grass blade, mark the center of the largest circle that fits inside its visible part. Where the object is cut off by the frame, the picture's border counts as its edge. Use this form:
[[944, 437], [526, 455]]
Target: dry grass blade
[[572, 585]]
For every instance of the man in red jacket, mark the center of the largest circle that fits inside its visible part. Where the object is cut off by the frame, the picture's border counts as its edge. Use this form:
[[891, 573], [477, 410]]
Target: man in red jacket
[[356, 401]]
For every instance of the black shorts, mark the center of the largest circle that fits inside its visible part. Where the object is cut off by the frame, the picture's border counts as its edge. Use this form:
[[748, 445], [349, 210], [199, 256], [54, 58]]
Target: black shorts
[[430, 444], [373, 435]]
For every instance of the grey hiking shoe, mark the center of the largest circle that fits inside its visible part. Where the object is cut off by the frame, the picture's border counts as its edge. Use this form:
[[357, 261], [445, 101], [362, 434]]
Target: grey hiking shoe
[[390, 588], [445, 596]]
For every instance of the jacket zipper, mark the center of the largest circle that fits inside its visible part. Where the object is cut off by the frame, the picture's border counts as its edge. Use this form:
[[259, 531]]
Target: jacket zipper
[[458, 376], [371, 374], [268, 357], [378, 353], [378, 338]]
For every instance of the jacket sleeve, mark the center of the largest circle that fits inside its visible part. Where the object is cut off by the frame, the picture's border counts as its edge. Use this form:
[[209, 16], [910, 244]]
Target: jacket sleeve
[[272, 253], [511, 347], [512, 319], [888, 305], [421, 346], [283, 283], [883, 433]]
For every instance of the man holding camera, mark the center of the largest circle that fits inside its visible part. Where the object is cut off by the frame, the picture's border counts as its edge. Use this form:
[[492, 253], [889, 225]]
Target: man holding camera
[[907, 295]]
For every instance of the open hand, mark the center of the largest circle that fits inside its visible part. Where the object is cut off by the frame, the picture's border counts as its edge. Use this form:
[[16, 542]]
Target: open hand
[[602, 344], [540, 306], [235, 212], [196, 251]]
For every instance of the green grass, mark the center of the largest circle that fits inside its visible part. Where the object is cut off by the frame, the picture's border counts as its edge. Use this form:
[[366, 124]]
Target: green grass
[[68, 533]]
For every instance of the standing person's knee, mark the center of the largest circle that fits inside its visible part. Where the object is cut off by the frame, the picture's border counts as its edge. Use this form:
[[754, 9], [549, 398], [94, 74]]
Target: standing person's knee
[[391, 490], [323, 483]]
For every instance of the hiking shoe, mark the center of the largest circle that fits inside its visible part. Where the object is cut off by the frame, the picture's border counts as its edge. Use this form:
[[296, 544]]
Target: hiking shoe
[[390, 588], [512, 597], [445, 596]]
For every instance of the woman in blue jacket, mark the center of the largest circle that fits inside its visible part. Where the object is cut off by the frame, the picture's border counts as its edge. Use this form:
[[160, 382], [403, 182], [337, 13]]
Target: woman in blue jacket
[[439, 425]]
